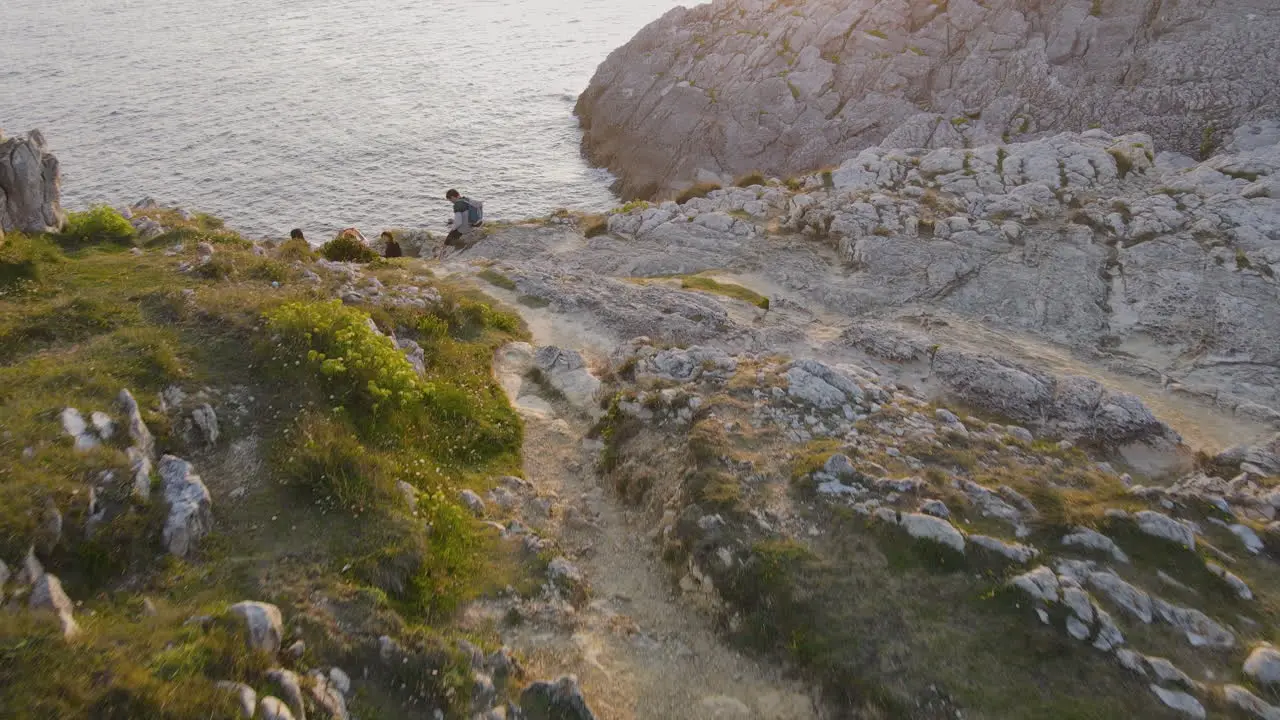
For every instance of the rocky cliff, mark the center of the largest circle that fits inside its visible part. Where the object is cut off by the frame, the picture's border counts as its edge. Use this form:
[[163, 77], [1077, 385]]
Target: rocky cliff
[[786, 87], [29, 186]]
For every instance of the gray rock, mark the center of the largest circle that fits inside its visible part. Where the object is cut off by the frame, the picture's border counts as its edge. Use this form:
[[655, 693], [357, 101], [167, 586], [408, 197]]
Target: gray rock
[[340, 680], [140, 467], [190, 506], [1168, 673], [936, 508], [1238, 585], [659, 112], [47, 596], [270, 708], [328, 698], [263, 623], [568, 579], [1162, 526], [840, 466], [75, 426], [103, 425], [138, 432], [822, 386], [1094, 540], [1041, 584], [927, 527], [1131, 598], [1017, 552], [4, 579], [1257, 707], [1199, 629], [1263, 665], [291, 689], [473, 502], [567, 372], [1251, 541], [206, 421], [561, 700], [1180, 701], [30, 186], [244, 695]]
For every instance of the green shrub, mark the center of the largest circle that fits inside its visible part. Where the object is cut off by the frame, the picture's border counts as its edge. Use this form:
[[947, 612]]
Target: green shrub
[[327, 459], [270, 271], [699, 190], [347, 249], [22, 256], [99, 224], [296, 250], [361, 371], [751, 178], [218, 267]]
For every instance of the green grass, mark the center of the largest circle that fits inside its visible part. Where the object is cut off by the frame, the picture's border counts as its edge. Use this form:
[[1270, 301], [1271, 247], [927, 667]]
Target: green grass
[[340, 418], [750, 179], [699, 190], [737, 292], [497, 279]]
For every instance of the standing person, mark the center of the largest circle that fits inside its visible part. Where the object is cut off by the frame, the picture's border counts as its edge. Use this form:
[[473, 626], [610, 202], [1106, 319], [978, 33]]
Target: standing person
[[467, 214], [391, 248]]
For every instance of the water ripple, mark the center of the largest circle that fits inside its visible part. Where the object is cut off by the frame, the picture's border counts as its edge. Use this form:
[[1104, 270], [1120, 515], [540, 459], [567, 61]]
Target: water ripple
[[314, 113]]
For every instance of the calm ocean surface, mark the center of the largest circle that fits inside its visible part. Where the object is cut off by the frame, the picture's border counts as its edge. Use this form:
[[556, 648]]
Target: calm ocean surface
[[314, 113]]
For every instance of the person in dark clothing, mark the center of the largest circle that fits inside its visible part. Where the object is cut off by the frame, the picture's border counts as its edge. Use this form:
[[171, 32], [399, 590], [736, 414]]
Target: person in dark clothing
[[464, 210], [391, 247], [296, 234]]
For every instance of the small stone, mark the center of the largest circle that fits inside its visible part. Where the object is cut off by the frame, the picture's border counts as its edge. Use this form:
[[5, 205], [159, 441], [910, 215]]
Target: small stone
[[206, 421], [840, 465], [291, 688], [341, 681], [103, 424], [297, 650], [1041, 584], [1019, 433], [271, 708], [1017, 552], [927, 527], [1162, 526], [1094, 540], [47, 595], [936, 508], [946, 417], [1240, 587], [190, 512], [561, 700]]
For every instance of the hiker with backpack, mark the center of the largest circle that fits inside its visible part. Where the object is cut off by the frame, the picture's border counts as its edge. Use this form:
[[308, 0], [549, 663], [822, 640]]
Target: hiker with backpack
[[467, 214]]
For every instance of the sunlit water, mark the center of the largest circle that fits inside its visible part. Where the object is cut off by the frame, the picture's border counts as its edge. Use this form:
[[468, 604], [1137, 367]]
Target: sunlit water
[[314, 113]]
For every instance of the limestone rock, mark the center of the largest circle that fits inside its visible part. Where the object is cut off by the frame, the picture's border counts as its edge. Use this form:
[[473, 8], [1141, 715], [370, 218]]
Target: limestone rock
[[569, 579], [138, 431], [566, 371], [75, 426], [206, 422], [263, 623], [1041, 584], [291, 689], [1240, 587], [47, 595], [1250, 703], [1263, 665], [1162, 526], [822, 386], [682, 99], [245, 696], [1017, 552], [936, 508], [30, 186], [1180, 701], [327, 696], [927, 527], [1200, 629], [1136, 601], [340, 680], [271, 708], [559, 700], [190, 514], [473, 501], [1094, 540], [4, 578], [840, 465]]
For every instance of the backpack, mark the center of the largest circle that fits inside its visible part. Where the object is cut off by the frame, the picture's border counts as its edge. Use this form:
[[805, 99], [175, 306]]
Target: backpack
[[475, 211]]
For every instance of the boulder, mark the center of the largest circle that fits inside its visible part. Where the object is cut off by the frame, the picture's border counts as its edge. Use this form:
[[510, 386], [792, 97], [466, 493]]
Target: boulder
[[928, 527], [1180, 701], [936, 508], [1162, 526], [1257, 707], [473, 501], [244, 695], [30, 186], [566, 372], [1263, 665], [1040, 584], [1017, 552], [190, 506], [263, 624], [327, 696], [1094, 540], [559, 700], [566, 576]]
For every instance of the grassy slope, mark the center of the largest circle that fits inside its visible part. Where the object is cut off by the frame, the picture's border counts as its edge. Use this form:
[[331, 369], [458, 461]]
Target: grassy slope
[[76, 326]]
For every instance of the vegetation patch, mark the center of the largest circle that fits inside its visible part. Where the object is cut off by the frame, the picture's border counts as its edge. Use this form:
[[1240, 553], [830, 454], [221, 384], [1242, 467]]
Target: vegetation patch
[[738, 292], [497, 279], [99, 224], [347, 249], [698, 190], [750, 179]]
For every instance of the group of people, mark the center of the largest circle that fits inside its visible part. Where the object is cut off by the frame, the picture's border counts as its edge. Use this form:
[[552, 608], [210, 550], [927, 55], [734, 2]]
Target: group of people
[[467, 214]]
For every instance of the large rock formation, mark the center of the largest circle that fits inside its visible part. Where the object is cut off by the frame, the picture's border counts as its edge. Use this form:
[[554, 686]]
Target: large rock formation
[[785, 87], [29, 186]]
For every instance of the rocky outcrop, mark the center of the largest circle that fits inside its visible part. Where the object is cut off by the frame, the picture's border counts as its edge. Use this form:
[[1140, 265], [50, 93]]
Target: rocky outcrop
[[786, 87], [30, 186], [263, 624]]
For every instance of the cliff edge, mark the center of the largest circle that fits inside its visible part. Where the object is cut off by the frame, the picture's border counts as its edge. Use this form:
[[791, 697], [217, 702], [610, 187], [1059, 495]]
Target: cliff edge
[[786, 87]]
